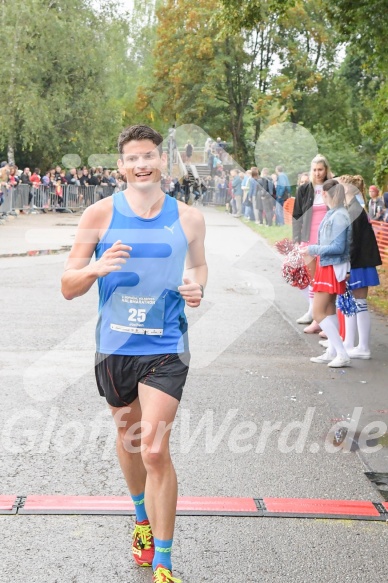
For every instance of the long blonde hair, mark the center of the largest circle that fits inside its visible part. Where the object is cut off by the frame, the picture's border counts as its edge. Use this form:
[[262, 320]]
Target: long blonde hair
[[319, 159]]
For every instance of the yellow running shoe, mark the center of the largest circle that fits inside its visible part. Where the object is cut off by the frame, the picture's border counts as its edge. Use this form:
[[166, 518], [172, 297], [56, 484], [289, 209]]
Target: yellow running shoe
[[143, 548], [163, 575]]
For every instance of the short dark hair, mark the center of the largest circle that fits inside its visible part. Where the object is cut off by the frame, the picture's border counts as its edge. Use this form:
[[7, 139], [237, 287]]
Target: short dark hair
[[336, 191], [139, 132]]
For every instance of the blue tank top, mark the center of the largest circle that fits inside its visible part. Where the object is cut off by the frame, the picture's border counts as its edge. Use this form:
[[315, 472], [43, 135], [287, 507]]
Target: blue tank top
[[141, 311]]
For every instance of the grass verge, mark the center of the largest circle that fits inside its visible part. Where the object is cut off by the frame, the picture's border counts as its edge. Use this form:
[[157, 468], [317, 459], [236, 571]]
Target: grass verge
[[378, 296], [271, 234]]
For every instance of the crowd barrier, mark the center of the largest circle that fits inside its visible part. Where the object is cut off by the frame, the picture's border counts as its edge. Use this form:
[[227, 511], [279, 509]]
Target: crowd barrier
[[381, 232], [212, 196], [72, 198], [288, 208], [26, 198]]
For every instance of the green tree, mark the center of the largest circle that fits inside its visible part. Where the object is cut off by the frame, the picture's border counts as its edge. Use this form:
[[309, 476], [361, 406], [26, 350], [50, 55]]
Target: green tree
[[206, 75], [236, 67], [56, 78], [138, 70], [247, 14], [376, 130], [306, 45], [363, 25]]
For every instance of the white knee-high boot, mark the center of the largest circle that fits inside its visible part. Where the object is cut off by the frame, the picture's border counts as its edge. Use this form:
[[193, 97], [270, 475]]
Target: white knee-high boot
[[363, 325], [350, 332], [330, 326]]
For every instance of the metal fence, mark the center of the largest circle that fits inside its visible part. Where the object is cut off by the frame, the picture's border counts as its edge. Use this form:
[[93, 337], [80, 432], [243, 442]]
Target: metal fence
[[68, 198], [215, 196], [71, 198]]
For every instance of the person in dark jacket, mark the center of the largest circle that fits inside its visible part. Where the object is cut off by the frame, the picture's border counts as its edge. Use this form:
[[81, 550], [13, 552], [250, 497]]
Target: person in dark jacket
[[186, 188], [71, 176], [364, 258], [84, 179], [265, 193], [177, 189], [309, 211], [188, 151]]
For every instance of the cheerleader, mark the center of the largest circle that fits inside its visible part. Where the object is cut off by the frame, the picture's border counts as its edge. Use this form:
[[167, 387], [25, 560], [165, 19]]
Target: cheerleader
[[364, 257], [333, 267], [309, 211]]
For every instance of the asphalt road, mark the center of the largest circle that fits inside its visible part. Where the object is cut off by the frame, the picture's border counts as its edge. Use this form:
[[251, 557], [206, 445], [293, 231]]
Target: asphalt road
[[256, 420]]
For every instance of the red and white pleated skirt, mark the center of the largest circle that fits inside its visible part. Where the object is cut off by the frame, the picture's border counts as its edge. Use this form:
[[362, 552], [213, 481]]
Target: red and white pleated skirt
[[326, 281]]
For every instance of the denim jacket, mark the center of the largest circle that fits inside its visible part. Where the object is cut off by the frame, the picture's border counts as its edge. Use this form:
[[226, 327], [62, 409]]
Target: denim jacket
[[334, 238]]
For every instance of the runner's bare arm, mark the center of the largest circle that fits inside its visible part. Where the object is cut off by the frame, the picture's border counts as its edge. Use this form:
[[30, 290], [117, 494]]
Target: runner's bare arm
[[80, 275], [195, 276]]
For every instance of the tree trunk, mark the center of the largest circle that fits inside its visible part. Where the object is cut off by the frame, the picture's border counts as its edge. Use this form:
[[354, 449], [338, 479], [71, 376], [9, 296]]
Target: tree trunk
[[236, 108], [257, 128], [11, 154], [237, 130]]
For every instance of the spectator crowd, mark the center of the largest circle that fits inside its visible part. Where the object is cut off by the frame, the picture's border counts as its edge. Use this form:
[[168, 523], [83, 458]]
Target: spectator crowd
[[52, 182], [257, 195]]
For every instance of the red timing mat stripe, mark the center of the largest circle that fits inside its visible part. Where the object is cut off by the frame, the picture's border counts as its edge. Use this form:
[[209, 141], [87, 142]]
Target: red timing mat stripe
[[51, 503], [307, 506], [224, 506], [7, 502], [217, 504], [78, 503]]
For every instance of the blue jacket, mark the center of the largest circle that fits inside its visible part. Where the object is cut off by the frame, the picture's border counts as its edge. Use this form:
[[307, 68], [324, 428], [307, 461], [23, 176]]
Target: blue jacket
[[282, 186], [334, 238], [253, 184], [236, 185]]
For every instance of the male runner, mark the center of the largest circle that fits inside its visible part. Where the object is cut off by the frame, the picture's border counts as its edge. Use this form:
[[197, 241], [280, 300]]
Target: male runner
[[141, 238]]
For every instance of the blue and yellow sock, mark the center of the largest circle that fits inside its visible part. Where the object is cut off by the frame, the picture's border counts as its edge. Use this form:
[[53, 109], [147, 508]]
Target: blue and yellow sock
[[141, 514], [162, 556]]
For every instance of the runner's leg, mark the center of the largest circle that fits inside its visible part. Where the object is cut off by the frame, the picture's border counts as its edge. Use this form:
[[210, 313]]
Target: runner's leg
[[161, 491], [128, 446]]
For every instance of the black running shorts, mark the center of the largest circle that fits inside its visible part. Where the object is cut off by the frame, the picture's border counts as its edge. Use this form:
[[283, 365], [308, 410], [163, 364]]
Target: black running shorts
[[118, 376]]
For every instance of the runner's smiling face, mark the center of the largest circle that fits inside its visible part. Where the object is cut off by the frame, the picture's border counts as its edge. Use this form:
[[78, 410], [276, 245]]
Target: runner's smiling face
[[141, 163]]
